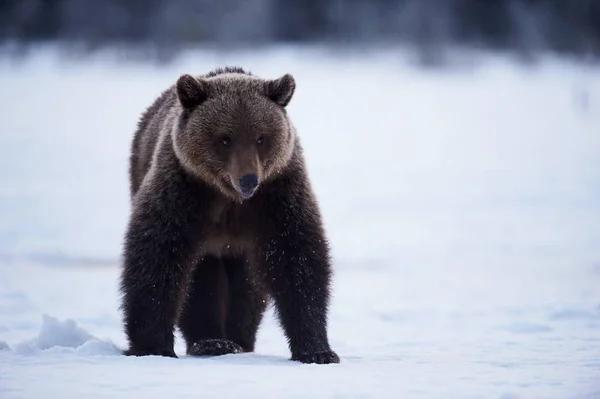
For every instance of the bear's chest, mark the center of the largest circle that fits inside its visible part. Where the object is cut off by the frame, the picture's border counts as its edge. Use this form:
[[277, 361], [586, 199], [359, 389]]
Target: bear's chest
[[230, 229]]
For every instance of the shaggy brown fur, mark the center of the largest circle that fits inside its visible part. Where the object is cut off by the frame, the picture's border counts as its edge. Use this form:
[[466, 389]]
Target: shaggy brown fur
[[223, 219]]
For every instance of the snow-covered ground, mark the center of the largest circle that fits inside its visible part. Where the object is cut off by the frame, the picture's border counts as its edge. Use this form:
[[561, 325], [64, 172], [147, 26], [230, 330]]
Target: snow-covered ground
[[463, 209]]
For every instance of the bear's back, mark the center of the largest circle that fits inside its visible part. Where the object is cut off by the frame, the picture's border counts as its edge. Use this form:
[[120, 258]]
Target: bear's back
[[150, 127]]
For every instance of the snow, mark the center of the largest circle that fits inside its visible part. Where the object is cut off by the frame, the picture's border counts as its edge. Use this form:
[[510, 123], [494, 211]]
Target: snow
[[463, 207]]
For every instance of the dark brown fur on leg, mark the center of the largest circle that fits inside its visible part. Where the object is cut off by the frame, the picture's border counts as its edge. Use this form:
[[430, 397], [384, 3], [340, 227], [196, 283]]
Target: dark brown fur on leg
[[298, 267], [247, 303], [203, 317], [158, 249]]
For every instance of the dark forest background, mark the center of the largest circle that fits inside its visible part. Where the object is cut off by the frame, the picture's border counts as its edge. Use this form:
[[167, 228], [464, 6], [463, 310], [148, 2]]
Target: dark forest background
[[569, 27]]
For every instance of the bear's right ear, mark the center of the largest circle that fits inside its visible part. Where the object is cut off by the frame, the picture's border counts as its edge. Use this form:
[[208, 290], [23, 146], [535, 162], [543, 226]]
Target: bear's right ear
[[191, 91]]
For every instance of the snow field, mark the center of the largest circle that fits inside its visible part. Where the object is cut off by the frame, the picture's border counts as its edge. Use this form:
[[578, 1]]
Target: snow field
[[463, 209]]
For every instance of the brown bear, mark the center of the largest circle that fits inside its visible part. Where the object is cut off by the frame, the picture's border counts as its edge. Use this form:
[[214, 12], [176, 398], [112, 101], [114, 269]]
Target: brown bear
[[223, 220]]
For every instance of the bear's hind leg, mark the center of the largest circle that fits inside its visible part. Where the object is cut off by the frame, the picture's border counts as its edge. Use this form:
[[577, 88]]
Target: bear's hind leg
[[246, 305], [203, 316]]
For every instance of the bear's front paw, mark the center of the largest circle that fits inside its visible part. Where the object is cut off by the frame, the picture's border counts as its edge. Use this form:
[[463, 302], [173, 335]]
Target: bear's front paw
[[150, 352], [213, 347], [318, 358]]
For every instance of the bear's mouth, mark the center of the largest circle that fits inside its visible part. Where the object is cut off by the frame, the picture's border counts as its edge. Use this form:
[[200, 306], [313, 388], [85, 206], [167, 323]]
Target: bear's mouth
[[246, 193]]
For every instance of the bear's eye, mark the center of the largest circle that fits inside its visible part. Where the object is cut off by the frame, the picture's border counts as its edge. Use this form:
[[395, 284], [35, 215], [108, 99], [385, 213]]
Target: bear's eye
[[260, 140], [226, 141]]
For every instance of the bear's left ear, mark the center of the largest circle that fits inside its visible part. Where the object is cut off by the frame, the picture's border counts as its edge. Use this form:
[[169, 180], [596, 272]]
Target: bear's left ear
[[191, 91], [281, 90]]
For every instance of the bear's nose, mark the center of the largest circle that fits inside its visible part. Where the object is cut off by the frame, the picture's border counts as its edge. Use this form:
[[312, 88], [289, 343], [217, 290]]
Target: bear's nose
[[248, 182]]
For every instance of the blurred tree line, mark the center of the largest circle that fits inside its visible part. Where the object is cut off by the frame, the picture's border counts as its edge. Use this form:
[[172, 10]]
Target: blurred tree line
[[566, 26]]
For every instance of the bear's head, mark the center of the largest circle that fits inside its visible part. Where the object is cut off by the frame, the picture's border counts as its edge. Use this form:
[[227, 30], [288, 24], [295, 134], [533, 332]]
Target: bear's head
[[233, 130]]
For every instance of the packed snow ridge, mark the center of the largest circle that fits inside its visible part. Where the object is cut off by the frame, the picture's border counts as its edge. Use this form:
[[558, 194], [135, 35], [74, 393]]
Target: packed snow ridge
[[64, 337]]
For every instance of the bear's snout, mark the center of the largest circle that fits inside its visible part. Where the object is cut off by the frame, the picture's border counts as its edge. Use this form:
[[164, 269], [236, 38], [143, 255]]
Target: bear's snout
[[248, 185]]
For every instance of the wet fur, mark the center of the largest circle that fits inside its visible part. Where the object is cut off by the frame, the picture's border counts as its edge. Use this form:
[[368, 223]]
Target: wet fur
[[198, 258]]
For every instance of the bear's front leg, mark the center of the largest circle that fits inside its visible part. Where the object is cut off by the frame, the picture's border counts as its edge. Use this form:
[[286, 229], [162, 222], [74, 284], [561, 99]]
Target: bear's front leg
[[158, 251], [298, 271], [300, 278]]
